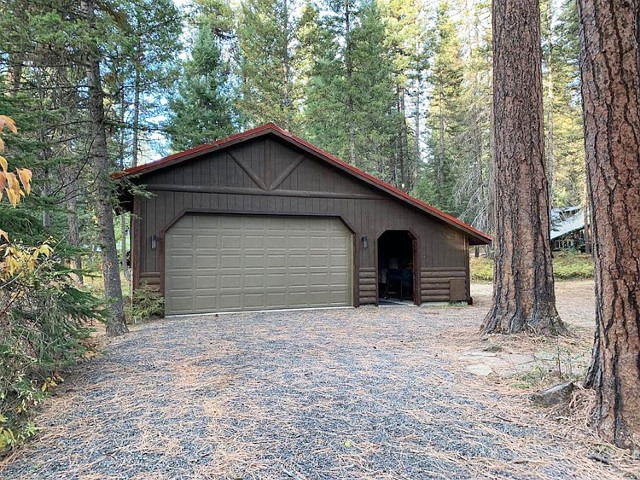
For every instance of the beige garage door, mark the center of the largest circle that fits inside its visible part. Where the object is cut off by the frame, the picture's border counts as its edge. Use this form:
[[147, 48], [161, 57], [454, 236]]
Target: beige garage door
[[223, 263]]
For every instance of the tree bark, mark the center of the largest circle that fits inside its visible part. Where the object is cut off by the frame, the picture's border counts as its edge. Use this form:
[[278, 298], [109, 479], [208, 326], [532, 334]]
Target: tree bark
[[104, 209], [588, 248], [71, 204], [523, 296], [610, 66]]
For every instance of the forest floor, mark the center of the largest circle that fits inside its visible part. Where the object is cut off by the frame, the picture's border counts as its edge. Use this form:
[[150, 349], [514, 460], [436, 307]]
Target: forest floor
[[376, 393]]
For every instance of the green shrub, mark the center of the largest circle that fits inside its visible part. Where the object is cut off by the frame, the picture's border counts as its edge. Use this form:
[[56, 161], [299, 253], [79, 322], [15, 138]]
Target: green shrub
[[44, 324], [147, 304]]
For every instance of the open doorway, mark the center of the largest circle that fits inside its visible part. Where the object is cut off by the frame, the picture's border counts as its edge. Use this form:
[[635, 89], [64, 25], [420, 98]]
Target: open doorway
[[396, 263]]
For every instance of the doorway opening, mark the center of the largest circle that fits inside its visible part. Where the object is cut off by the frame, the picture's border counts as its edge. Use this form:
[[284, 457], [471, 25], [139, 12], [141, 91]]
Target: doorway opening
[[396, 262]]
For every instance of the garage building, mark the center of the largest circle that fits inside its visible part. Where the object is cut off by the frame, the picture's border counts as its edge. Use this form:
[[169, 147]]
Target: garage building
[[265, 220]]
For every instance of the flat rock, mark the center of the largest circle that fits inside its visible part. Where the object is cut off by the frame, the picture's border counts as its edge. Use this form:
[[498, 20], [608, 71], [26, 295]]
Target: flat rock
[[480, 369], [554, 395], [481, 354]]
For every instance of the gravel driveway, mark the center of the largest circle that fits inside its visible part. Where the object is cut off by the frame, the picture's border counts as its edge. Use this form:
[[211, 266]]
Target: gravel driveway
[[324, 394]]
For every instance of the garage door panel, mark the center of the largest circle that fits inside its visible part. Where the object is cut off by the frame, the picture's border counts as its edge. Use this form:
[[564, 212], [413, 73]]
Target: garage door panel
[[230, 301], [338, 278], [178, 262], [232, 280], [297, 260], [182, 282], [318, 260], [253, 261], [206, 261], [319, 243], [338, 260], [319, 279], [181, 303], [253, 281], [276, 279], [234, 263], [181, 241], [254, 241], [254, 300], [206, 281], [339, 298], [276, 260], [338, 243], [275, 241], [231, 242], [206, 303], [279, 298], [298, 242], [229, 221]]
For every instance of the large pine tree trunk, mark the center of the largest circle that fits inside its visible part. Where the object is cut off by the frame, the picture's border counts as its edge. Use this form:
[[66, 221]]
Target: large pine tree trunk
[[610, 61], [523, 297], [103, 193]]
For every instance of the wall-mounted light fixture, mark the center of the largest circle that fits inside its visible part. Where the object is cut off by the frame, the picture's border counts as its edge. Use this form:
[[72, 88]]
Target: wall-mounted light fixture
[[154, 242], [365, 242]]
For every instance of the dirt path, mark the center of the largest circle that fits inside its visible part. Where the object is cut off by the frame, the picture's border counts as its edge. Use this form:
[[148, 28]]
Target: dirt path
[[326, 394]]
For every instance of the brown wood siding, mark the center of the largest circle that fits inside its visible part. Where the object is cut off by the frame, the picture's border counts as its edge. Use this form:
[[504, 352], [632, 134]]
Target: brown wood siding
[[435, 282], [266, 176], [368, 286]]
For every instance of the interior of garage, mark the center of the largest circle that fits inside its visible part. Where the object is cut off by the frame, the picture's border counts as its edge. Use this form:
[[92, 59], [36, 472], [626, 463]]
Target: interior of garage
[[395, 267]]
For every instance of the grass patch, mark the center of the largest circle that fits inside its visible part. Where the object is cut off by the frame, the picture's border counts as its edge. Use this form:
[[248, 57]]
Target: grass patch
[[481, 269], [573, 266], [566, 266]]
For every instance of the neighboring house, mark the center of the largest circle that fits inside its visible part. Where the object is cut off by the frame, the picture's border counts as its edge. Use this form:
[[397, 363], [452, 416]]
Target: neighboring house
[[265, 220], [567, 228]]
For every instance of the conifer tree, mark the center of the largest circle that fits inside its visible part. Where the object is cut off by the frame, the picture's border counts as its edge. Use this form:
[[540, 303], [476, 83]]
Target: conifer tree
[[473, 184], [611, 98], [564, 106], [405, 36], [523, 286], [266, 37], [372, 85], [350, 109], [445, 124], [201, 112]]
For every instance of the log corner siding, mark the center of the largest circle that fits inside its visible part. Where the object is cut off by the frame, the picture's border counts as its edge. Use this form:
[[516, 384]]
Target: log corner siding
[[269, 172]]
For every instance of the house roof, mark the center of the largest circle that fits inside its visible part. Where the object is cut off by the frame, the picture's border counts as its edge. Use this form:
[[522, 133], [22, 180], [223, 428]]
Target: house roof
[[570, 224], [476, 237]]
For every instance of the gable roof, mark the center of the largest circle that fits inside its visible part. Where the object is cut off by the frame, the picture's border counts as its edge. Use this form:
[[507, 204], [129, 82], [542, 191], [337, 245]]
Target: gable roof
[[476, 237]]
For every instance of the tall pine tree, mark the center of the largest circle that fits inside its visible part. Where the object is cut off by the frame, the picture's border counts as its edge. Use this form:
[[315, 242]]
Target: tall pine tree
[[266, 43], [445, 121], [201, 112]]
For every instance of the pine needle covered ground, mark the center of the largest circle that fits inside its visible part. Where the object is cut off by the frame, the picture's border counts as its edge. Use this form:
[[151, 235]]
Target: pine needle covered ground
[[375, 393]]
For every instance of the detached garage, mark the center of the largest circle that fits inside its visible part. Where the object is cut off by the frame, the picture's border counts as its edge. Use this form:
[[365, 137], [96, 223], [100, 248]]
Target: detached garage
[[264, 220]]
